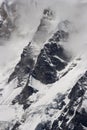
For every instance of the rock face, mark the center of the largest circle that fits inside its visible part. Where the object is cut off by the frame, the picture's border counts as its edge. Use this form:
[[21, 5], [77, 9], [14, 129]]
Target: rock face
[[44, 71], [36, 101], [25, 65], [49, 62], [51, 59], [74, 115], [6, 22], [30, 52], [43, 126], [43, 67], [22, 98]]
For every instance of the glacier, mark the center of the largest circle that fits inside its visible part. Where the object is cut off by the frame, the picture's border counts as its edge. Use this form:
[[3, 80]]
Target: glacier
[[43, 59]]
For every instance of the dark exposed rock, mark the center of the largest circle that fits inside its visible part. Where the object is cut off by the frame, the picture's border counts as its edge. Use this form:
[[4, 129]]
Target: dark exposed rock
[[55, 125], [24, 66], [59, 64], [48, 12], [54, 49], [44, 126], [65, 110], [26, 105], [80, 118], [48, 63], [61, 105], [77, 117], [71, 111], [61, 117], [76, 92], [44, 71], [17, 124], [79, 127], [23, 96], [60, 35], [59, 98], [51, 58]]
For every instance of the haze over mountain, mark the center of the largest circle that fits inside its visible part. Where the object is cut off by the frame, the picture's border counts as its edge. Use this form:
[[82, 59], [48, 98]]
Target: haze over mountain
[[43, 65]]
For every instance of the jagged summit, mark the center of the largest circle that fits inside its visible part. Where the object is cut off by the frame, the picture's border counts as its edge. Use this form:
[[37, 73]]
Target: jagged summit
[[43, 65]]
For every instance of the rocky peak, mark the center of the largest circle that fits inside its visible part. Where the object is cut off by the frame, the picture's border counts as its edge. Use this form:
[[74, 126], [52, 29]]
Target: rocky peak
[[74, 115], [51, 59]]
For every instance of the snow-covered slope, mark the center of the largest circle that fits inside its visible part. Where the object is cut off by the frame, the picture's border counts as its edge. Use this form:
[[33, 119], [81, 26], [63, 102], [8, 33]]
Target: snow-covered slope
[[43, 65]]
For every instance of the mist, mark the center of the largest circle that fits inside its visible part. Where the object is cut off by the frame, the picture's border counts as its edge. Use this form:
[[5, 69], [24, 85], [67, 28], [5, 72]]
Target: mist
[[71, 10], [27, 18]]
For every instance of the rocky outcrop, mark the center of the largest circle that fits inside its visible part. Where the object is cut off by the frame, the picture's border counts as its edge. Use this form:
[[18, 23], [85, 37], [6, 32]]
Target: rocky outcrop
[[24, 67], [6, 22], [51, 59], [43, 67], [22, 98], [48, 62], [74, 115], [44, 126], [30, 52], [16, 125]]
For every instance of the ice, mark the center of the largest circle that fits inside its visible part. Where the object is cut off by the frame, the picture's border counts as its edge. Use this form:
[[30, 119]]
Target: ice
[[11, 49], [7, 113]]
